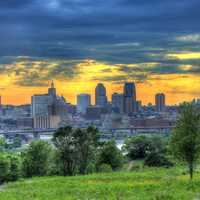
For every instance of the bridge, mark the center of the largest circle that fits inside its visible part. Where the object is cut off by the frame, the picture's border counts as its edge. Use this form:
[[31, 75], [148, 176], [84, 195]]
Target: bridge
[[107, 133]]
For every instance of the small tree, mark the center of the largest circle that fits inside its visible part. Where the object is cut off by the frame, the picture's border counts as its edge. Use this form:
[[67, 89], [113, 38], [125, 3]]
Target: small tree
[[9, 167], [2, 144], [87, 143], [36, 159], [4, 168], [185, 141], [138, 147], [66, 144], [155, 159], [111, 155]]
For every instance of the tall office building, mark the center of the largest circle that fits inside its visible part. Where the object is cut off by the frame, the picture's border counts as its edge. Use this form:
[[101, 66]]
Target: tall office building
[[83, 102], [100, 95], [118, 102], [129, 98], [160, 102], [48, 110]]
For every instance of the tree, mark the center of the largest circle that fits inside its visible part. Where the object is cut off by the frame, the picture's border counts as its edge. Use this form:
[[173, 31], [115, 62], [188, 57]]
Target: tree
[[4, 168], [9, 167], [65, 142], [2, 144], [155, 159], [138, 147], [185, 140], [111, 155], [17, 142], [36, 159], [87, 143]]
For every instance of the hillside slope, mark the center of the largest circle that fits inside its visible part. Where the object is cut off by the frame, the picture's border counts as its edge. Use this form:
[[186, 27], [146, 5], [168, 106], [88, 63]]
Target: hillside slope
[[158, 184]]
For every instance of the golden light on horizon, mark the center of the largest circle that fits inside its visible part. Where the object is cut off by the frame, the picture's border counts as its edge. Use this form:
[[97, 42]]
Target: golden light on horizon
[[185, 55], [177, 87]]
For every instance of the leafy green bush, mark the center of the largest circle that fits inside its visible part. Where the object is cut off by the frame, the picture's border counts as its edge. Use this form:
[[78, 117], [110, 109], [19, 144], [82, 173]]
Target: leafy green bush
[[36, 159], [9, 167], [105, 168], [111, 155], [138, 147], [155, 159]]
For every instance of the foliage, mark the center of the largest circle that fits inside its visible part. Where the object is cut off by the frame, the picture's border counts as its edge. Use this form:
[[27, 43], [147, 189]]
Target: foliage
[[87, 143], [2, 144], [155, 159], [76, 149], [105, 168], [9, 167], [185, 141], [111, 155], [138, 147], [36, 159]]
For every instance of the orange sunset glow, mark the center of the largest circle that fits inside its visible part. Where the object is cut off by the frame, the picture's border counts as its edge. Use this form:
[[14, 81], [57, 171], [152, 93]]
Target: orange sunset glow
[[177, 87]]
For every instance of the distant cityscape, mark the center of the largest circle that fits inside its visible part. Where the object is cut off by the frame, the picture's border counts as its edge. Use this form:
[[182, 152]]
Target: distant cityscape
[[123, 116]]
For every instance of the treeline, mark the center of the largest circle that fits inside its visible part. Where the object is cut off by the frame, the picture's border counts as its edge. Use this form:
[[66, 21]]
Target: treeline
[[80, 151], [74, 151]]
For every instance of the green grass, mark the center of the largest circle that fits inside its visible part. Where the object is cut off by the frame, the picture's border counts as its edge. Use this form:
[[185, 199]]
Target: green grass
[[149, 184]]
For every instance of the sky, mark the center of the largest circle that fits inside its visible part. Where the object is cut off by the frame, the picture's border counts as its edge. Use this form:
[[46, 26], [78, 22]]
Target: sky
[[78, 43]]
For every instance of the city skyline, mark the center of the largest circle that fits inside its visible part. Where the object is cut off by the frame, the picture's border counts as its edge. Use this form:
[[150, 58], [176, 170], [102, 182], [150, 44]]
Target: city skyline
[[79, 43], [93, 94], [109, 92]]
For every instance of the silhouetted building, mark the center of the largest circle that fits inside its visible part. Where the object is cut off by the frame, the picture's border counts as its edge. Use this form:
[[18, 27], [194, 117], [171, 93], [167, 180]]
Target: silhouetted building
[[129, 98], [48, 110], [160, 102], [100, 95], [83, 101], [118, 102]]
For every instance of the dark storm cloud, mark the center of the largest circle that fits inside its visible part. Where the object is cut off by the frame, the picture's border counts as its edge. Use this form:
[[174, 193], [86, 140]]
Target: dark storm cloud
[[115, 31]]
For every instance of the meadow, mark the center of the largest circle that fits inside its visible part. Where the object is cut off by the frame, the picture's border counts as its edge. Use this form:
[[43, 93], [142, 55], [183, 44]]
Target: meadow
[[145, 184]]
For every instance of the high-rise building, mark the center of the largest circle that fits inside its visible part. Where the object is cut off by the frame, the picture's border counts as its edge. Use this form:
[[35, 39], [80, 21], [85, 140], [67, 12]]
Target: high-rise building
[[129, 98], [130, 90], [48, 110], [160, 102], [118, 102], [83, 101], [40, 104], [100, 95]]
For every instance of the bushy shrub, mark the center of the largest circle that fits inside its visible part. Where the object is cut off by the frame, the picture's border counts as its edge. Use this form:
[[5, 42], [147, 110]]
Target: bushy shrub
[[36, 159], [138, 147], [155, 159], [9, 167], [111, 155], [105, 168]]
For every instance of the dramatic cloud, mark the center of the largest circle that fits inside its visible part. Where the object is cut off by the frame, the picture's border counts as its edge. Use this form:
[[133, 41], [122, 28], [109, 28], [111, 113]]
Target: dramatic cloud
[[112, 41]]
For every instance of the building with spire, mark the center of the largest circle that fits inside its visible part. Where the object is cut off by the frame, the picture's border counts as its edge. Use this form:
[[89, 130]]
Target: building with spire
[[48, 110]]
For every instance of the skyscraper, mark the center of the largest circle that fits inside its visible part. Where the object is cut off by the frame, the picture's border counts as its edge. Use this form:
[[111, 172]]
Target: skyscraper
[[83, 102], [118, 102], [129, 90], [48, 110], [129, 98], [100, 95], [160, 102]]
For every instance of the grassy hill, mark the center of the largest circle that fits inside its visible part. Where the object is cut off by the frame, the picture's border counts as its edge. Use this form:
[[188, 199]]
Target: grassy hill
[[151, 184]]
